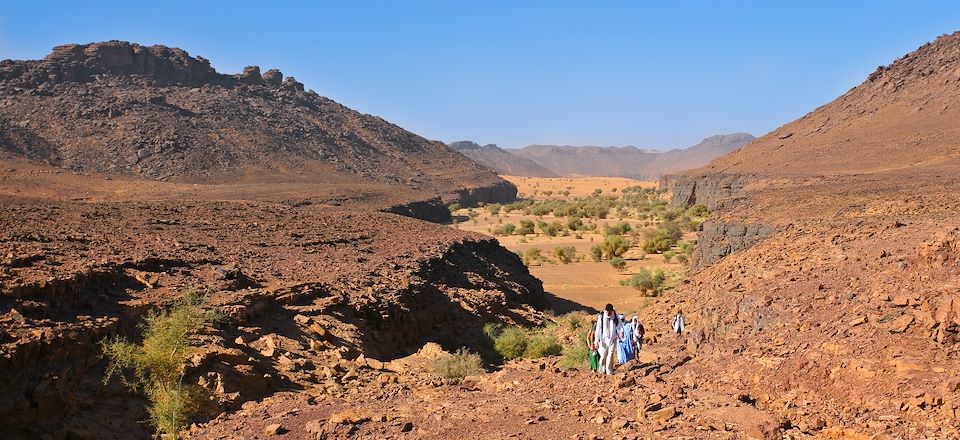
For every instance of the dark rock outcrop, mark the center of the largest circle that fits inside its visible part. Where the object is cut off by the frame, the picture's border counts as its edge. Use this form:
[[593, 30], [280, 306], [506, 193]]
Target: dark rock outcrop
[[706, 190], [719, 239]]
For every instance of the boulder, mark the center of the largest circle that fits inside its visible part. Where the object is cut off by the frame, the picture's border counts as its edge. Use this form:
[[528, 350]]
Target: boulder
[[273, 77], [901, 324], [250, 75]]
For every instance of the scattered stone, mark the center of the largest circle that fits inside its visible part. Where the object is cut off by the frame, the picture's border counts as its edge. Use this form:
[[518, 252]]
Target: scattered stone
[[663, 414], [274, 429], [901, 324]]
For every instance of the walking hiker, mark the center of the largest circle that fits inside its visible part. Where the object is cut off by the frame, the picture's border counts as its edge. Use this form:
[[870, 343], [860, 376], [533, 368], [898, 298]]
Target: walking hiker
[[594, 356], [606, 332], [678, 323], [638, 332], [625, 347]]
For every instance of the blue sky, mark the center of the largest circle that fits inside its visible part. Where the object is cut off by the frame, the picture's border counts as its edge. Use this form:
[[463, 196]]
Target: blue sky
[[656, 75]]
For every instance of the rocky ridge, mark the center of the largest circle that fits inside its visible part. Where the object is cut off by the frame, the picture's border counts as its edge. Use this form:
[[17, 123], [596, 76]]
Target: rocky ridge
[[157, 112]]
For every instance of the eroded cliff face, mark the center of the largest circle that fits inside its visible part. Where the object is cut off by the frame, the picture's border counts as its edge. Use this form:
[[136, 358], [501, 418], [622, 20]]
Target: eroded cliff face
[[719, 193], [707, 190], [719, 239]]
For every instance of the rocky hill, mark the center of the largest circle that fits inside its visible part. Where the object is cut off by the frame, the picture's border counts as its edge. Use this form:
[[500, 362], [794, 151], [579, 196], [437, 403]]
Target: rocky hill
[[828, 271], [130, 174], [501, 161], [157, 112], [630, 162]]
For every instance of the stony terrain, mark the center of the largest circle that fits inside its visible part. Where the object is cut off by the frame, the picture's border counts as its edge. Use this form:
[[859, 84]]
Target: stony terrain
[[825, 303], [129, 174], [834, 256]]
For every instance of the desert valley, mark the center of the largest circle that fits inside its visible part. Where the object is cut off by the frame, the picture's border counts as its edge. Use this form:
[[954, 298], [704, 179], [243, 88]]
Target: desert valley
[[186, 253]]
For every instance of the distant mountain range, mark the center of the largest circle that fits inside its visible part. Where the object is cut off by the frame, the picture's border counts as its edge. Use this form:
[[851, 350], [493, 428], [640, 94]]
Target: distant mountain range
[[501, 161], [570, 161]]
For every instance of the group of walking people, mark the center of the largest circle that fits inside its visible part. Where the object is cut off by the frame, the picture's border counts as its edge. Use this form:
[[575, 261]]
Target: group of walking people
[[612, 335]]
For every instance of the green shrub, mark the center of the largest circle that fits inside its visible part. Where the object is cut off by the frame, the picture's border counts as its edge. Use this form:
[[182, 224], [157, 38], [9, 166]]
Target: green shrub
[[493, 208], [596, 252], [620, 228], [158, 364], [668, 255], [698, 211], [565, 254], [504, 229], [454, 207], [542, 344], [511, 343], [526, 227], [458, 365], [646, 281], [574, 223], [614, 246], [532, 257], [683, 259], [618, 263], [661, 239]]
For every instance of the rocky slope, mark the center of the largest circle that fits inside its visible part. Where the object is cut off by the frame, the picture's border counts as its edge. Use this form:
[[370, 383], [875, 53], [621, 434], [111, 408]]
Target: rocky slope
[[301, 285], [501, 161], [630, 162], [129, 174], [157, 112], [828, 270]]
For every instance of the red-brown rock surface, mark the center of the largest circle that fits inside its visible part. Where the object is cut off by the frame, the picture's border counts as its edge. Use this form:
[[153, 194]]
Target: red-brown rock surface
[[841, 305], [156, 112]]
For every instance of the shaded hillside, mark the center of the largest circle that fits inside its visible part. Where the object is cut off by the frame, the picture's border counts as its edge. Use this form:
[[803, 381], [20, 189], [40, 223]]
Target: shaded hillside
[[156, 112], [630, 162], [829, 265], [500, 161]]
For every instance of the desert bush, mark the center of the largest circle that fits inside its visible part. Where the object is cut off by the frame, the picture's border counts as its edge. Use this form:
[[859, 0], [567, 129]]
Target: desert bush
[[618, 263], [614, 246], [458, 365], [550, 229], [511, 342], [574, 223], [576, 355], [698, 211], [526, 227], [668, 255], [687, 247], [505, 229], [646, 281], [542, 343], [158, 364], [661, 239], [493, 208], [596, 253], [620, 228], [683, 259], [532, 257], [454, 207], [565, 254]]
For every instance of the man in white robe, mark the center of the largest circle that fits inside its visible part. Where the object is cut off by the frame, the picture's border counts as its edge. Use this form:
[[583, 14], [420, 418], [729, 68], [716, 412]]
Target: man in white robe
[[606, 334]]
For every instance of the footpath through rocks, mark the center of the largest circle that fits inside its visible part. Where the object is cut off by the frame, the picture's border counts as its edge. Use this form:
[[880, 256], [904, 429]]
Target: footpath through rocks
[[649, 397]]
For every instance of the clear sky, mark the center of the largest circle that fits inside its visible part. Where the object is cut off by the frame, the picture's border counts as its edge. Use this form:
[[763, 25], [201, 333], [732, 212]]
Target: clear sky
[[651, 74]]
